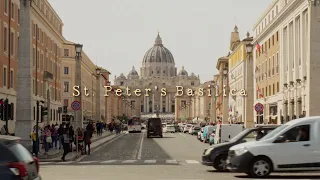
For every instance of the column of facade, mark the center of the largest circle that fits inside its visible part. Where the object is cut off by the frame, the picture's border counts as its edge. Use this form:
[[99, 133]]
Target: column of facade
[[170, 104], [160, 109], [167, 103]]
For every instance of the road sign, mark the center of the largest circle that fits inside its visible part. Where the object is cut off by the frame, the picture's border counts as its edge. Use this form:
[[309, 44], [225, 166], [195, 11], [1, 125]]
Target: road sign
[[76, 105], [259, 107]]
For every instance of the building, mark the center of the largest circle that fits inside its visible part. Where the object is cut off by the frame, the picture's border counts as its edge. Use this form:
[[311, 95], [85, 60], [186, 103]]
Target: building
[[240, 67], [39, 63], [158, 71], [222, 102], [117, 107], [9, 45], [92, 78]]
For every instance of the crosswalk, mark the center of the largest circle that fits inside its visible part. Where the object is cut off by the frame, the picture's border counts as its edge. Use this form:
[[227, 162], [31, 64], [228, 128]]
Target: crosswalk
[[126, 162]]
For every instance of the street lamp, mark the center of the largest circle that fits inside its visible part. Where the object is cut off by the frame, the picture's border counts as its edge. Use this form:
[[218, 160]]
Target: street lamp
[[225, 72], [37, 127], [98, 71], [78, 48], [249, 48]]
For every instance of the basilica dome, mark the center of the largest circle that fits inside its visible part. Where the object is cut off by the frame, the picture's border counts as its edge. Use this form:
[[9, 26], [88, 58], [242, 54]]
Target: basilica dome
[[158, 53]]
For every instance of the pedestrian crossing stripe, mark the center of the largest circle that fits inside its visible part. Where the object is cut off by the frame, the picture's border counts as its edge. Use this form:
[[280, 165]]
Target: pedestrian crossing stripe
[[130, 161]]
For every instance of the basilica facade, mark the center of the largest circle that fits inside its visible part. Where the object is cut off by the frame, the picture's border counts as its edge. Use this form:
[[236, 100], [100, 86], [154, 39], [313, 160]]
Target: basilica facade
[[158, 73]]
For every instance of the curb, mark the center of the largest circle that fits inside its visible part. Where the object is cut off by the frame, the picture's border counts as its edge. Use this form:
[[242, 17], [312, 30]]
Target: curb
[[75, 157]]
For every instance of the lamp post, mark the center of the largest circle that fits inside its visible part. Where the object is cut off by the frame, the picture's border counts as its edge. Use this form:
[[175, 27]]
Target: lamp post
[[213, 114], [37, 128], [249, 99], [225, 94], [78, 81]]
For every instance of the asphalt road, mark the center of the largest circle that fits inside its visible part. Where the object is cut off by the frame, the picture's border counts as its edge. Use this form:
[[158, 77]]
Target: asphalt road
[[133, 156]]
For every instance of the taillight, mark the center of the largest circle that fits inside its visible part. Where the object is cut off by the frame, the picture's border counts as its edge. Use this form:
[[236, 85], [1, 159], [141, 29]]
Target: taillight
[[18, 169], [37, 163]]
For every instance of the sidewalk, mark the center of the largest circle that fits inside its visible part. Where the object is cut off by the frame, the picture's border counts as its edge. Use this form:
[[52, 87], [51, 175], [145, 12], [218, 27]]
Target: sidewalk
[[54, 153]]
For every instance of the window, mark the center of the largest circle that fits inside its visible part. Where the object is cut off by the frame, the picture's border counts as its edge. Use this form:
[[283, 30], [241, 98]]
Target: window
[[277, 36], [5, 39], [6, 6], [298, 133], [273, 89], [11, 78], [192, 83], [4, 76], [51, 67], [41, 62], [12, 43], [278, 88], [38, 56], [269, 90], [66, 86], [21, 153], [66, 70], [34, 87], [12, 10]]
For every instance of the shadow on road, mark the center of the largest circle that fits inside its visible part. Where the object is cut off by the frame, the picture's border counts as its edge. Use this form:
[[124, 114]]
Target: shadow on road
[[161, 137], [284, 177], [215, 171]]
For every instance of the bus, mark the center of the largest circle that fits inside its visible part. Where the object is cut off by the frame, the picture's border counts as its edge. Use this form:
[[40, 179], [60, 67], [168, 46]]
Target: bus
[[134, 125]]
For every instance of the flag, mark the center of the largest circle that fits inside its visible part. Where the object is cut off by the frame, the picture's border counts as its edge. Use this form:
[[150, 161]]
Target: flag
[[257, 69], [258, 47], [260, 93]]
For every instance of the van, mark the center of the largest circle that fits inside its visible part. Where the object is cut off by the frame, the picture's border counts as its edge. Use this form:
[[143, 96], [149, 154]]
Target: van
[[225, 132], [154, 127], [293, 146]]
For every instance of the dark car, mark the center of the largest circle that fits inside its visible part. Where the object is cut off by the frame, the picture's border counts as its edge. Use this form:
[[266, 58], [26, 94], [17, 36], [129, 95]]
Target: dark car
[[16, 162], [154, 127], [216, 155]]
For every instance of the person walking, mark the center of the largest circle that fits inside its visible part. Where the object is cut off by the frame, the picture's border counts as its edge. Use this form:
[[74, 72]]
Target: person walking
[[66, 143], [87, 141]]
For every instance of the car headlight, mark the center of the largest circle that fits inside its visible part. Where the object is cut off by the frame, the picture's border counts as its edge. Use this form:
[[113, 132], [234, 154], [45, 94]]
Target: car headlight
[[240, 151], [208, 150]]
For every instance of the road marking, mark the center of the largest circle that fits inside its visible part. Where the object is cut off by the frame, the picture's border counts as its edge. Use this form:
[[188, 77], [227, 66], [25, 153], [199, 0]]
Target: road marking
[[150, 161], [108, 142], [135, 150], [171, 161], [86, 162], [141, 144], [192, 162], [109, 161], [183, 135], [129, 161], [66, 162], [42, 163]]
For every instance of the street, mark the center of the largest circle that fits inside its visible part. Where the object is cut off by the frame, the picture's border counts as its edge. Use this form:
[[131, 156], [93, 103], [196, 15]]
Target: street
[[134, 156]]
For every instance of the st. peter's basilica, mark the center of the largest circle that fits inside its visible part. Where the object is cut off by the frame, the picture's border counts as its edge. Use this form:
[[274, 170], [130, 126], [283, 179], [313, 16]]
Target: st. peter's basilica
[[158, 70]]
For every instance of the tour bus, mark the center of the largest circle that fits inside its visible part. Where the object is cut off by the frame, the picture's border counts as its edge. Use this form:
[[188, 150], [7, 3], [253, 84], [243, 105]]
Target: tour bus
[[134, 124]]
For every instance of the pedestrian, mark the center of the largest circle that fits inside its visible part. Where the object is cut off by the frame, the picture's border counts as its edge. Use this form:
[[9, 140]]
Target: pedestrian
[[66, 143], [71, 136], [47, 139], [60, 135], [87, 141], [33, 137], [54, 135]]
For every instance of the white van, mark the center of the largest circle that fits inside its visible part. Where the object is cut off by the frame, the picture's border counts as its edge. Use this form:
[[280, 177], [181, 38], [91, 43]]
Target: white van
[[225, 132], [293, 146]]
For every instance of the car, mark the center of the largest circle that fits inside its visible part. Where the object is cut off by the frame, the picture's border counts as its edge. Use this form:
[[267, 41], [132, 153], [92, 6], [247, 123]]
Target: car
[[190, 129], [216, 155], [291, 147], [154, 127], [195, 130], [170, 128], [200, 134], [186, 128], [16, 162]]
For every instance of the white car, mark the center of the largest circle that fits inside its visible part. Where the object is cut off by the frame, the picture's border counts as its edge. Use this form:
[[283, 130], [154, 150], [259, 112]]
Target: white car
[[191, 129], [170, 129], [186, 128]]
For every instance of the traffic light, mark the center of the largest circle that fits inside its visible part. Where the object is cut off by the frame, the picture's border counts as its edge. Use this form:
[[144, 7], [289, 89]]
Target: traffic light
[[44, 112]]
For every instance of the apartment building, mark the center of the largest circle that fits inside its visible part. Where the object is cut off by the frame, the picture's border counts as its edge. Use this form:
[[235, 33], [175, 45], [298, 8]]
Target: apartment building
[[267, 66], [9, 19], [240, 68], [116, 105], [222, 83], [199, 108]]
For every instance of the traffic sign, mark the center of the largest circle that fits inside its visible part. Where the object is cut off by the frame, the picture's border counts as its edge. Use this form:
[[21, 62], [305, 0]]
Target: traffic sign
[[259, 107], [76, 105]]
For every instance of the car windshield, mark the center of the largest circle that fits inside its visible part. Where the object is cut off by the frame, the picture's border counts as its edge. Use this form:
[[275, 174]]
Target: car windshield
[[240, 135], [21, 153], [274, 132]]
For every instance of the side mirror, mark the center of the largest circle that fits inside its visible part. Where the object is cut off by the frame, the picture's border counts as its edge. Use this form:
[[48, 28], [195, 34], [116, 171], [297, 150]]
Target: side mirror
[[280, 139]]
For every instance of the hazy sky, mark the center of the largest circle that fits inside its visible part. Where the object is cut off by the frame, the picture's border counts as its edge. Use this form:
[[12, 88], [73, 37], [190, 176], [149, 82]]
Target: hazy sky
[[117, 33]]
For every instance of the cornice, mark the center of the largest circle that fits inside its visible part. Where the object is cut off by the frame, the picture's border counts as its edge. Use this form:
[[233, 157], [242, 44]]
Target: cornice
[[278, 19], [264, 14]]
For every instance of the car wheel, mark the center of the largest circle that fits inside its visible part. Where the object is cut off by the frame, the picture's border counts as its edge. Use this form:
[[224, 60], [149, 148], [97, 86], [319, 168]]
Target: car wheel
[[161, 136], [220, 163], [260, 167]]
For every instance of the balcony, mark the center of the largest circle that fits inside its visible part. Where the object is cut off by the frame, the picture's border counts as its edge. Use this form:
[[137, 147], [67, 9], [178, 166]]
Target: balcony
[[47, 76]]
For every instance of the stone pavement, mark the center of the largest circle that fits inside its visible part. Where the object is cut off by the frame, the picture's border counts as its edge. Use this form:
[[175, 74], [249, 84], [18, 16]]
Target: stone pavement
[[57, 153]]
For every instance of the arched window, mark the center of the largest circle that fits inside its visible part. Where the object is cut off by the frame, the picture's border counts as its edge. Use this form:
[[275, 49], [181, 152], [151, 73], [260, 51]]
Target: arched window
[[192, 83]]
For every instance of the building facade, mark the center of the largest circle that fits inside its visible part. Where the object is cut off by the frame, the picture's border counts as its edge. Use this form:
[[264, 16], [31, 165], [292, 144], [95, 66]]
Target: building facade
[[239, 70], [157, 71], [222, 101], [92, 78], [9, 18]]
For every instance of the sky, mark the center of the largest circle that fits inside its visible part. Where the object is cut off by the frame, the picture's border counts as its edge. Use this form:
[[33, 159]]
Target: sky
[[116, 34]]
